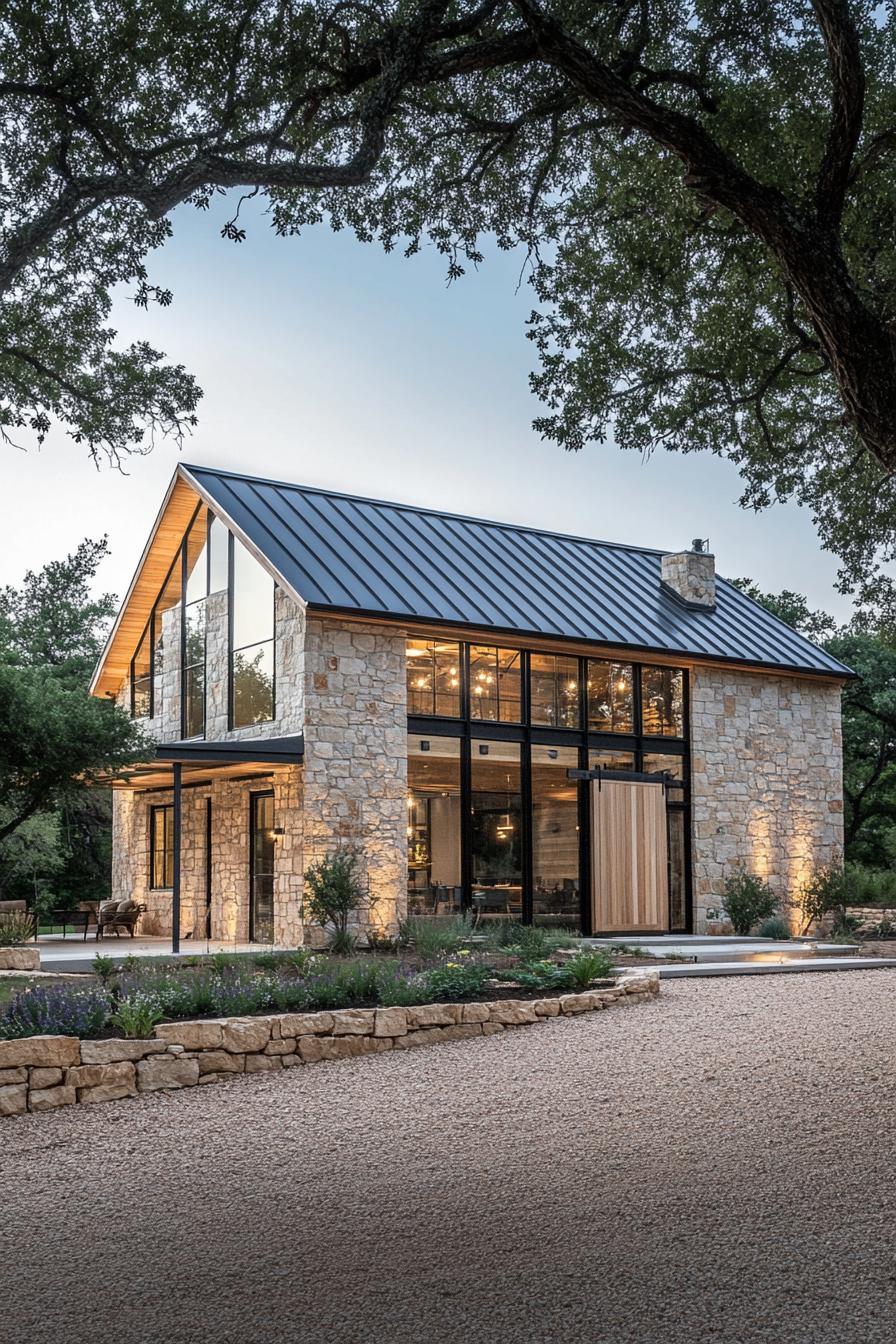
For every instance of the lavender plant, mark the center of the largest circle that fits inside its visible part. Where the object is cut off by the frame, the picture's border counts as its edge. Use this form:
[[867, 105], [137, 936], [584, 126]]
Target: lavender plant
[[57, 1010]]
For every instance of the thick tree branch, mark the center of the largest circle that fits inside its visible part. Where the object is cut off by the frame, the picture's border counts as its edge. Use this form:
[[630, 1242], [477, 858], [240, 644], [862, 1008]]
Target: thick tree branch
[[847, 104]]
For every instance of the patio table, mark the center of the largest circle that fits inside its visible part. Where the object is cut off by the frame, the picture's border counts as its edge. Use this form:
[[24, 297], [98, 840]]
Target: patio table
[[76, 918]]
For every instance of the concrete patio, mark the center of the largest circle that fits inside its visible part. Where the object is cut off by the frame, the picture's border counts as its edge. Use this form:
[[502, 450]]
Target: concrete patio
[[71, 952]]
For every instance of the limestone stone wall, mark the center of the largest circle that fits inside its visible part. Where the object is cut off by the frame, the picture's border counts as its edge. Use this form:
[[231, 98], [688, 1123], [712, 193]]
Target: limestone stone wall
[[230, 800], [42, 1073], [355, 771], [767, 789]]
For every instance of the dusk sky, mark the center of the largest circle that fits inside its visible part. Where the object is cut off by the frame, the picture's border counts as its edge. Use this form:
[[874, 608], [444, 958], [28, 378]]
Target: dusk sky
[[325, 362]]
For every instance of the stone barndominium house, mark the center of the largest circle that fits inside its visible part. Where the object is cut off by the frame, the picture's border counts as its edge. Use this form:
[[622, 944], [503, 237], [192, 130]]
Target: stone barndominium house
[[502, 720]]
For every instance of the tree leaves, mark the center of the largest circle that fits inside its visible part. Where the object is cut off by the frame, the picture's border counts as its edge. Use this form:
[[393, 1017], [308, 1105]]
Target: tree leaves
[[704, 196]]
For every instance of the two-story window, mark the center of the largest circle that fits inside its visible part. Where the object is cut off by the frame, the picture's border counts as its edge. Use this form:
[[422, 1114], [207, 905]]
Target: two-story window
[[251, 639], [209, 562]]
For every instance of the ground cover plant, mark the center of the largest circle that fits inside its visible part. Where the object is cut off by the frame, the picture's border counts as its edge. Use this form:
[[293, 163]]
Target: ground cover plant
[[130, 997]]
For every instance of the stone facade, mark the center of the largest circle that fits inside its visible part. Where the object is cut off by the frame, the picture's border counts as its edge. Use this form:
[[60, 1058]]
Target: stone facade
[[355, 772], [766, 772], [766, 780], [42, 1073], [343, 686]]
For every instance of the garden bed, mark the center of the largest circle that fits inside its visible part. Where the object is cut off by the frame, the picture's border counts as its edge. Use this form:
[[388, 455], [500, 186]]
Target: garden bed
[[131, 997], [40, 1073]]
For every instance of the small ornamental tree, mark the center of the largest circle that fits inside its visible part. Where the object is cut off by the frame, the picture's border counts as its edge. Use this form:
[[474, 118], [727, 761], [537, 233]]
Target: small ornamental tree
[[748, 900], [823, 894], [334, 891]]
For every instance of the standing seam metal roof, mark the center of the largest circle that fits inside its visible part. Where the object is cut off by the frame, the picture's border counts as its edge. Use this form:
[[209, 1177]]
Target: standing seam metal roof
[[349, 554]]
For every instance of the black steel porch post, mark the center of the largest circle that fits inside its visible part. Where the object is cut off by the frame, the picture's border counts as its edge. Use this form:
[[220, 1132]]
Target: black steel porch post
[[175, 874]]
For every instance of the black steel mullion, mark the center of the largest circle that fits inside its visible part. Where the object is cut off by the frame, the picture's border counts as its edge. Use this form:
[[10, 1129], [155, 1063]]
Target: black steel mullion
[[466, 822], [584, 800], [637, 714], [526, 829], [229, 628]]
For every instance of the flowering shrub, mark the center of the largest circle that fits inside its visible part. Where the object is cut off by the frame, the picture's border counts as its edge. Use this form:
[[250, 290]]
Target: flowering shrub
[[138, 1015], [57, 1010]]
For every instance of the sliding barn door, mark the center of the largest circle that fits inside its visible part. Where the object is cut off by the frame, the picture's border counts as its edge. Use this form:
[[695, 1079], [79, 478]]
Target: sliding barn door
[[629, 859]]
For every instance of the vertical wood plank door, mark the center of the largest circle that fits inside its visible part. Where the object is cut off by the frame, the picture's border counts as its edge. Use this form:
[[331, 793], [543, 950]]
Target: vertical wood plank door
[[629, 857]]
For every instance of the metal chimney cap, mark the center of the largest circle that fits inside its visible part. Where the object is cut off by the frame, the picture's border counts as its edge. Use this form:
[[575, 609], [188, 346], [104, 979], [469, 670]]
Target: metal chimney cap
[[700, 544]]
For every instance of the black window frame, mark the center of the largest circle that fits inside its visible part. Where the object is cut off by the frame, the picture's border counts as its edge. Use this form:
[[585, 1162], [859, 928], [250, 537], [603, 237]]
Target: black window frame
[[232, 652], [528, 734], [165, 812]]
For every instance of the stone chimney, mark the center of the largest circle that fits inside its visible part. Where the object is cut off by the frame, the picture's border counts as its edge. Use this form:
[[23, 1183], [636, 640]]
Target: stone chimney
[[691, 575]]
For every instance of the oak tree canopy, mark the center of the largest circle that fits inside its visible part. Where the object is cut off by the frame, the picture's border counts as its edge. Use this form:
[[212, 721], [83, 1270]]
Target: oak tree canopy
[[703, 193]]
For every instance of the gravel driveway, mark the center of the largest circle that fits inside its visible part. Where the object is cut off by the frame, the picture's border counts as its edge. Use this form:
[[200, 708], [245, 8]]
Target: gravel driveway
[[718, 1165]]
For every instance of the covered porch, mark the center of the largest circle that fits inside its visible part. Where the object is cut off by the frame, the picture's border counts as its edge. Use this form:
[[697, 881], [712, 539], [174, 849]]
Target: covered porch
[[207, 843]]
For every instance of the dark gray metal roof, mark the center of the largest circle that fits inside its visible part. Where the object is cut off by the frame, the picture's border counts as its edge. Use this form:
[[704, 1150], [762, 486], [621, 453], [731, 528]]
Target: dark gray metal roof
[[364, 556]]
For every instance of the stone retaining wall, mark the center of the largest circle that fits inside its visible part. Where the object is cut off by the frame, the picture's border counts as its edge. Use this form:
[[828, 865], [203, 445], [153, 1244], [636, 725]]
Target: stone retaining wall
[[869, 917], [19, 958], [40, 1073]]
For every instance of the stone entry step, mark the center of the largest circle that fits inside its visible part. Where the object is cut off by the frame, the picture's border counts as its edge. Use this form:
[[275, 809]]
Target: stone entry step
[[716, 950], [696, 970]]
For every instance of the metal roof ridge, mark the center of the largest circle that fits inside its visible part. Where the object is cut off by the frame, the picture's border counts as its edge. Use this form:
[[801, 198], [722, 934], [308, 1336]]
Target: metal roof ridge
[[427, 509]]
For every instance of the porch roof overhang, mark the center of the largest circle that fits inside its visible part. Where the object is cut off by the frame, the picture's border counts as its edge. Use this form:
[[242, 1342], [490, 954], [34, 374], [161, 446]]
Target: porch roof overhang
[[202, 759]]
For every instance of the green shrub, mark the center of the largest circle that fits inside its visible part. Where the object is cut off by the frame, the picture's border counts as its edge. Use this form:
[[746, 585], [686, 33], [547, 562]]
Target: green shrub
[[434, 938], [104, 968], [137, 1015], [587, 966], [221, 961], [843, 929], [455, 980], [333, 889], [377, 941], [16, 928], [530, 942], [267, 961], [300, 959], [343, 943], [748, 900], [546, 975], [869, 886], [774, 927], [825, 891], [399, 989]]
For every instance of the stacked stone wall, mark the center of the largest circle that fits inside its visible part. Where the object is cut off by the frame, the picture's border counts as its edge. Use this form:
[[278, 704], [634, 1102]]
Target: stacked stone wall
[[355, 772], [766, 782], [42, 1073]]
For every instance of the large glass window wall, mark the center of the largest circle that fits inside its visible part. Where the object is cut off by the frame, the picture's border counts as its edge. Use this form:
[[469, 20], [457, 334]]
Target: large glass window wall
[[499, 739]]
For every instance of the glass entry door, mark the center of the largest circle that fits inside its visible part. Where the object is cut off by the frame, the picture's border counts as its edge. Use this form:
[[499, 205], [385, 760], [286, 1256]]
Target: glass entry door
[[261, 868]]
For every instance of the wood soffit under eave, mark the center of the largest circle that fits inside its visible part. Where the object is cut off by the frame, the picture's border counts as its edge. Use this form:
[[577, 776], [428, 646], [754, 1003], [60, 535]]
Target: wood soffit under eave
[[152, 571]]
